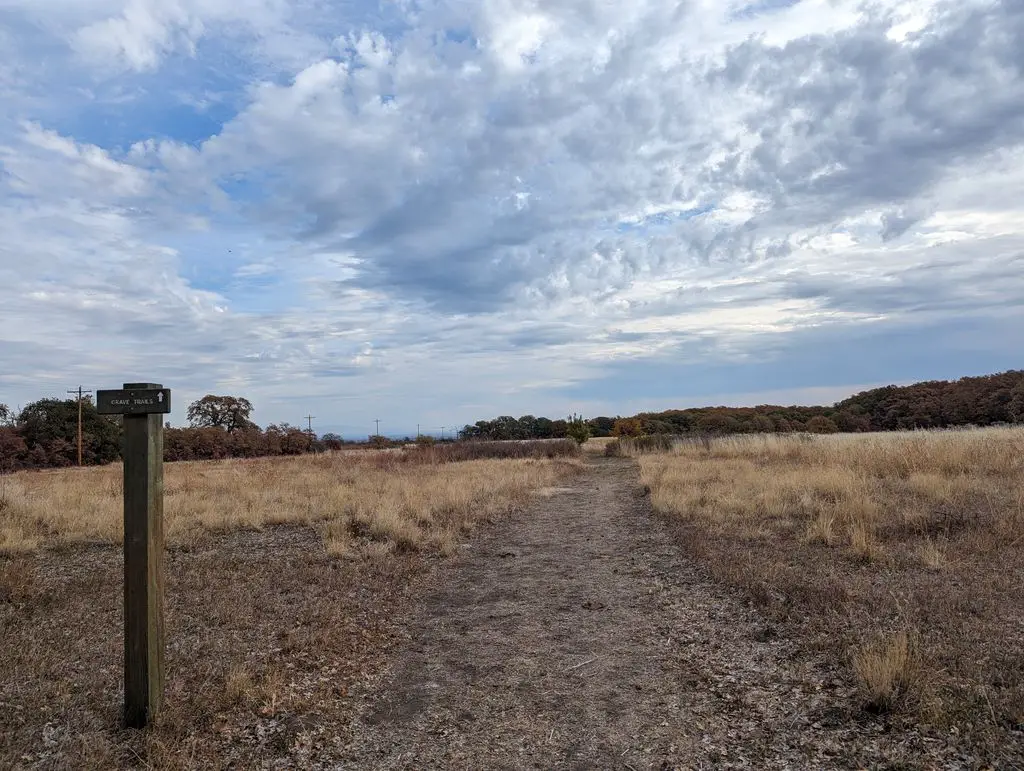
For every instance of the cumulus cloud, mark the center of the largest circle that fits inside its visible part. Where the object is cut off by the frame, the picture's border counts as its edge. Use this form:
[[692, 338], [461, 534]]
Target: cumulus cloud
[[509, 200]]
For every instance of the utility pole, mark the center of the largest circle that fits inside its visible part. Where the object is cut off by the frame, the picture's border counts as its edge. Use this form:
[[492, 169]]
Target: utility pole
[[377, 421], [309, 422], [442, 433], [417, 430], [80, 393]]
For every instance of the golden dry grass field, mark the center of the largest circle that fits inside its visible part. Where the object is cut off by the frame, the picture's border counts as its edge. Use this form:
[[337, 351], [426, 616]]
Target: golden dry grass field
[[349, 498], [902, 553]]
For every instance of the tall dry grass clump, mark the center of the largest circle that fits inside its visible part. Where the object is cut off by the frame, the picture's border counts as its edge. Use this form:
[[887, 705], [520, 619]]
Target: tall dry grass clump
[[886, 672], [352, 499], [848, 535]]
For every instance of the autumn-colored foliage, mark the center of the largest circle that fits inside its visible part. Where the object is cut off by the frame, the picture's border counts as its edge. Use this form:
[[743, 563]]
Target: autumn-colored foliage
[[44, 435], [979, 401]]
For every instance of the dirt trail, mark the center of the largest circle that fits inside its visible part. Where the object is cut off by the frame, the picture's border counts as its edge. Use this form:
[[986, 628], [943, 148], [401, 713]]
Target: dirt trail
[[576, 635]]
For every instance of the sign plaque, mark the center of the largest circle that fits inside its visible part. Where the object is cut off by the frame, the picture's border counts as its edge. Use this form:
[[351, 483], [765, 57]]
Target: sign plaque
[[134, 401]]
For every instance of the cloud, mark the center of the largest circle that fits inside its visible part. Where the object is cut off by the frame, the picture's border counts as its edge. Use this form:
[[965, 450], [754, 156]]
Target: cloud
[[431, 198], [460, 207], [141, 35]]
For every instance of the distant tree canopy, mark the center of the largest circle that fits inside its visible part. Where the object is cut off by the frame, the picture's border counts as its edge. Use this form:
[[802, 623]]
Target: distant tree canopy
[[819, 424], [228, 412], [211, 443], [48, 429], [979, 401], [44, 435], [507, 427], [332, 441]]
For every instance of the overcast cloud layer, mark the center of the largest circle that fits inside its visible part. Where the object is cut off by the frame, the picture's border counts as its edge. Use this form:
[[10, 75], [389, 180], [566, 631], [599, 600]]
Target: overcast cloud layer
[[432, 212]]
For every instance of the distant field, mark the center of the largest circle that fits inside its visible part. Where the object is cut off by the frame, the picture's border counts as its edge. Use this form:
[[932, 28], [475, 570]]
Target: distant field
[[903, 553], [378, 500]]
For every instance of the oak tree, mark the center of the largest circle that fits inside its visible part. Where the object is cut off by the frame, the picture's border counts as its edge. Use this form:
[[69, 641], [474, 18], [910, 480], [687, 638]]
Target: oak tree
[[228, 412]]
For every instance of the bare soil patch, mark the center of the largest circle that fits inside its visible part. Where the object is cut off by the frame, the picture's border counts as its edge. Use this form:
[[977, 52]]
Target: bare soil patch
[[266, 636]]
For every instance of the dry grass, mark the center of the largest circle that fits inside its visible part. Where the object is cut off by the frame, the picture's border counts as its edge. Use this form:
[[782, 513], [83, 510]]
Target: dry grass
[[886, 671], [352, 500], [17, 579], [931, 555], [266, 634], [596, 445], [870, 493], [854, 537]]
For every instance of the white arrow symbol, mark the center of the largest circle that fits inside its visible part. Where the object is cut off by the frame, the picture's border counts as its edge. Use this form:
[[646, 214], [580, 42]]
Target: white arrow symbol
[[160, 396]]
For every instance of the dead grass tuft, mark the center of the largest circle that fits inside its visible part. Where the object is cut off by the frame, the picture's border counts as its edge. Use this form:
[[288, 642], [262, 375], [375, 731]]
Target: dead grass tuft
[[886, 672], [862, 541], [822, 529], [931, 555], [239, 687]]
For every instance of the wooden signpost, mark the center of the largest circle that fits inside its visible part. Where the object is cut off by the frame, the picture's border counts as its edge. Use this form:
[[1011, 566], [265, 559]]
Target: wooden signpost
[[143, 406]]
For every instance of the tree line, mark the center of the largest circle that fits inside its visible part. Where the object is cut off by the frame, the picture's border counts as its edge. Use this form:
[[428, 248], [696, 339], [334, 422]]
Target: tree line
[[978, 401], [44, 434]]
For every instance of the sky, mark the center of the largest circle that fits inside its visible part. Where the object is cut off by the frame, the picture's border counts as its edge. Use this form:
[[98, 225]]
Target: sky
[[436, 211]]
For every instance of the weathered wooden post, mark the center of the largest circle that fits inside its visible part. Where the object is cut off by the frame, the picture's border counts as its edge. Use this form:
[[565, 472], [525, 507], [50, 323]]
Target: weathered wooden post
[[143, 406]]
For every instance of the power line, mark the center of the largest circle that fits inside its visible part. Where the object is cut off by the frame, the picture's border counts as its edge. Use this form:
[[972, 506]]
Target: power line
[[309, 422], [377, 421], [80, 393]]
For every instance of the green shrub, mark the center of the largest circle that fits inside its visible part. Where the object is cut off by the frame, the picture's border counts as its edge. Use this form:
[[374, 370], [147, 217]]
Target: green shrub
[[578, 429]]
